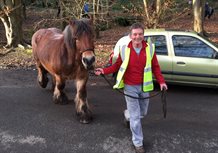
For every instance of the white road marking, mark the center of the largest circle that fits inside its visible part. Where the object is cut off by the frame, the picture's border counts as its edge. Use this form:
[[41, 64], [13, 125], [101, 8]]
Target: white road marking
[[7, 140]]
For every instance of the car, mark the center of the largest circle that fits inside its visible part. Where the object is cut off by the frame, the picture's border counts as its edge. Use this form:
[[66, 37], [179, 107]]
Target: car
[[185, 57]]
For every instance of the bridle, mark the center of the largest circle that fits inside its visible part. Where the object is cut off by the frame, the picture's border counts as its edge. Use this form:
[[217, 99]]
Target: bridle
[[88, 49], [85, 50]]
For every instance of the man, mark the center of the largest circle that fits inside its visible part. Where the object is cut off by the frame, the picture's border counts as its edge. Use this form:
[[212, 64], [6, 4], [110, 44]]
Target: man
[[85, 10], [136, 63], [208, 11]]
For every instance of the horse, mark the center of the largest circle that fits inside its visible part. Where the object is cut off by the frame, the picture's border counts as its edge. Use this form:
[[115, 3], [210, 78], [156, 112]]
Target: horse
[[67, 55]]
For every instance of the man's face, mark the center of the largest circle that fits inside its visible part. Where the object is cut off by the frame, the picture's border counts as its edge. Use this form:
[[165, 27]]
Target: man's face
[[137, 36]]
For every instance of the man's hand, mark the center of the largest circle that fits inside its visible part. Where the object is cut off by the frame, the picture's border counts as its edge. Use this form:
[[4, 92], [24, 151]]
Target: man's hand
[[163, 86], [99, 71]]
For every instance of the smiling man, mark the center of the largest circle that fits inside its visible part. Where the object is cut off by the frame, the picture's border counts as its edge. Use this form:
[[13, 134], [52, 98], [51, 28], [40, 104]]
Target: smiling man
[[135, 65]]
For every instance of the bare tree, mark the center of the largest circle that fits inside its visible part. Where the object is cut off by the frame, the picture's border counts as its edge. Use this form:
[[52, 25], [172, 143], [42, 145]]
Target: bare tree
[[98, 10], [68, 9], [152, 13], [198, 11], [100, 13], [11, 16], [45, 3]]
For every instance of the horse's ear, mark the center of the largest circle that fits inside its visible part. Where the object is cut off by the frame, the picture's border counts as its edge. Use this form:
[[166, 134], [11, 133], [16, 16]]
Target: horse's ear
[[91, 19], [72, 22]]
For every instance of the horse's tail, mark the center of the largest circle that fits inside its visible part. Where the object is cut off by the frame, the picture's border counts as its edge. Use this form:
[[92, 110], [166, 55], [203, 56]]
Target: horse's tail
[[34, 40], [36, 37]]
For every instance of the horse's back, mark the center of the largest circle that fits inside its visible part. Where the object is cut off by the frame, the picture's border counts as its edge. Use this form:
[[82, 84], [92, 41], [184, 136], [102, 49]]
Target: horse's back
[[46, 35], [47, 45], [45, 40]]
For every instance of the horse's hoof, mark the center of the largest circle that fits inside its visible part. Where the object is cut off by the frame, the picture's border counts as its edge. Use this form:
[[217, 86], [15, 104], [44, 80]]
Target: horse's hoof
[[43, 82], [62, 100], [56, 101], [84, 119]]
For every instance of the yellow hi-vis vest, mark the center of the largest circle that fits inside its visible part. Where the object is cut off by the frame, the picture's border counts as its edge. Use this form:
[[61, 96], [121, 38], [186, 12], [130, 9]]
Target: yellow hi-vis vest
[[147, 78]]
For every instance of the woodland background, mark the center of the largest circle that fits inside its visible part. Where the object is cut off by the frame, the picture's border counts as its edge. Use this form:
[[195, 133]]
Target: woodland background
[[112, 19]]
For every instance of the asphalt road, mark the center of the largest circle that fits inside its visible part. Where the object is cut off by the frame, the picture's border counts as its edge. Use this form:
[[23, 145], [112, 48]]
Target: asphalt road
[[31, 123]]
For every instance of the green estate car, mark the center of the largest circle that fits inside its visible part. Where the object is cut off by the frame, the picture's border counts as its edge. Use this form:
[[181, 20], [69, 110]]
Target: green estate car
[[185, 57]]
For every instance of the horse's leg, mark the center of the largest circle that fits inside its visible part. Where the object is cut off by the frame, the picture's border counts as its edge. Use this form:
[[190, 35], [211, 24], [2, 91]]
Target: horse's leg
[[82, 108], [53, 83], [59, 97], [42, 75]]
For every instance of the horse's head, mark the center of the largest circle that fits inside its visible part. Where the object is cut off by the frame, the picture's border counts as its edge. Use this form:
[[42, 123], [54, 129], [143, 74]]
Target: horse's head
[[84, 41]]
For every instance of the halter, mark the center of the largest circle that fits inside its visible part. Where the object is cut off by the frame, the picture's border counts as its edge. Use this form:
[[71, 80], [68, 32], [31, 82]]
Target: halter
[[88, 49]]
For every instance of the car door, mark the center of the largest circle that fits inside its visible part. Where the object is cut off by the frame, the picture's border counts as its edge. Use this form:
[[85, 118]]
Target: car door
[[162, 52], [193, 62]]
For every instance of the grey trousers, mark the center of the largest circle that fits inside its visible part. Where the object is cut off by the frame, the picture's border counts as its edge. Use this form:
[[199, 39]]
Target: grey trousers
[[136, 109]]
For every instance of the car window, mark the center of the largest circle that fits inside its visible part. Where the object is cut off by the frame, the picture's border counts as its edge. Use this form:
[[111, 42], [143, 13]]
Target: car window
[[191, 47], [160, 44]]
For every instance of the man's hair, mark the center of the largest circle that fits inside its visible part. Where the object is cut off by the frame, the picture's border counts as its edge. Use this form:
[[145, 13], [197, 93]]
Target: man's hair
[[137, 25]]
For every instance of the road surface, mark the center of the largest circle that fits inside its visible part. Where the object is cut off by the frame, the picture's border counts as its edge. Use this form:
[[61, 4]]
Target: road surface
[[31, 123]]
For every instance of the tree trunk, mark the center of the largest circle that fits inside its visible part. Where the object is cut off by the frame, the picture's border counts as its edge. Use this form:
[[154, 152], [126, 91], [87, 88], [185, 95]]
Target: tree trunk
[[146, 9], [198, 11], [152, 13], [107, 12], [33, 1], [95, 18], [23, 9], [45, 3], [157, 13], [12, 21], [158, 6], [93, 7], [63, 12]]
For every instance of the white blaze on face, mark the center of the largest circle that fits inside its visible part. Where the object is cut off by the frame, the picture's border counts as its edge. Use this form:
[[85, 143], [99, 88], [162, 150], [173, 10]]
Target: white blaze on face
[[88, 59]]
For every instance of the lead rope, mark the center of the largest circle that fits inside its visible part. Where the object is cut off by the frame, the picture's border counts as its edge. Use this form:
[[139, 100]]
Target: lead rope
[[163, 96], [164, 102]]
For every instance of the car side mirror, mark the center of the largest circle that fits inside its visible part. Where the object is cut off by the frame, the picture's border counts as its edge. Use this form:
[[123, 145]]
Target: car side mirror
[[215, 55]]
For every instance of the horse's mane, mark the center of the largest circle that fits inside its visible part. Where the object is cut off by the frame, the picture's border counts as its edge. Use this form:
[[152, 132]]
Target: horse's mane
[[71, 33], [82, 26]]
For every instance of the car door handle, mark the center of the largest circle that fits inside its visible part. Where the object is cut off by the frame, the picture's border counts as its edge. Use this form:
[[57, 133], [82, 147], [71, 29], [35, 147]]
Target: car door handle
[[181, 63]]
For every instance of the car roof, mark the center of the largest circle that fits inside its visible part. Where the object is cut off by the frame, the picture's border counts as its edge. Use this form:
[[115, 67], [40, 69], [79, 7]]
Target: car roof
[[148, 32], [169, 31]]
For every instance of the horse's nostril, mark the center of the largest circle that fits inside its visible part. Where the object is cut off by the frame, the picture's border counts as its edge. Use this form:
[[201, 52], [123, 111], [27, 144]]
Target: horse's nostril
[[85, 60], [93, 59], [89, 61]]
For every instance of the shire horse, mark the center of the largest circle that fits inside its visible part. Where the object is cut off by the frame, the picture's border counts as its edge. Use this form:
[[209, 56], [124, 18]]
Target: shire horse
[[66, 55]]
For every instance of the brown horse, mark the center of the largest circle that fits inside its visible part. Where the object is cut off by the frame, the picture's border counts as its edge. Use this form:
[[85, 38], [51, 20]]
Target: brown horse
[[66, 55]]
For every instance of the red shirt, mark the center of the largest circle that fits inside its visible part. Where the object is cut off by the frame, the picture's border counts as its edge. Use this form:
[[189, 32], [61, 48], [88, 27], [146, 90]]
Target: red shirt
[[135, 69]]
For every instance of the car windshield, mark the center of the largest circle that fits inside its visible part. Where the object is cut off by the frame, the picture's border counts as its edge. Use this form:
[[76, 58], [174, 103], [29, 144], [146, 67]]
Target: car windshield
[[206, 38]]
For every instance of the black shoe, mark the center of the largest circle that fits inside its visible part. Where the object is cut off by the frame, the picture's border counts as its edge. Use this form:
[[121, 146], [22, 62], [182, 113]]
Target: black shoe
[[139, 149], [126, 123]]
